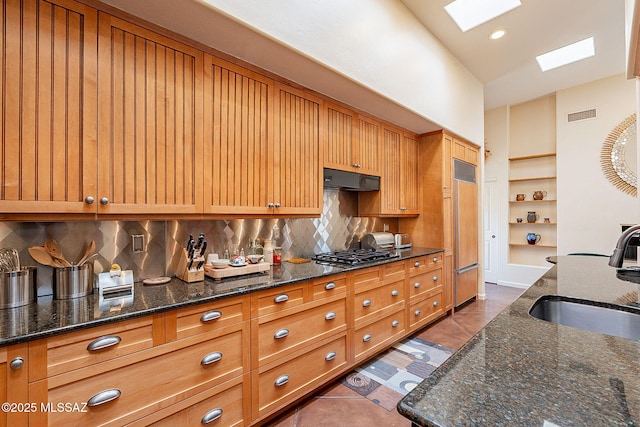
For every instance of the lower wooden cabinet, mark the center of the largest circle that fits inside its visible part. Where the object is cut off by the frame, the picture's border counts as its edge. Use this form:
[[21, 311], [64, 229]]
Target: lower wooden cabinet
[[425, 311], [373, 338], [14, 370]]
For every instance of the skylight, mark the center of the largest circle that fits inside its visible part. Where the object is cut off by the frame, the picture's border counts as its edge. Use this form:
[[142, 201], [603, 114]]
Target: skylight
[[471, 13], [566, 55]]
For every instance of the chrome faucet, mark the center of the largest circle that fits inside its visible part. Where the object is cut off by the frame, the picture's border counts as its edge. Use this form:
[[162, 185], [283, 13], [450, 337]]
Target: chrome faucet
[[616, 259]]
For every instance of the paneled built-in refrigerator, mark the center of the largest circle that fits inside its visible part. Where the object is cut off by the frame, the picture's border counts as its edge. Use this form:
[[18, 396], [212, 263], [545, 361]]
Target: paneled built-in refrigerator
[[465, 232]]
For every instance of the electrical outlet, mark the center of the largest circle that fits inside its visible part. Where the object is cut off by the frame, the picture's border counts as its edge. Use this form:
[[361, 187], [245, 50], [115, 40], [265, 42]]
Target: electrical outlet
[[276, 233], [137, 243]]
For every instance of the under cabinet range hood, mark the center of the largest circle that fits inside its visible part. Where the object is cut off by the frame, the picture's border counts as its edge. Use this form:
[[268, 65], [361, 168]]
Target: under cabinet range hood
[[350, 181]]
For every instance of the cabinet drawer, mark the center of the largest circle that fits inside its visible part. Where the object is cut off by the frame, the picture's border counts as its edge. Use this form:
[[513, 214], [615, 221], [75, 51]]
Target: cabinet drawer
[[364, 278], [422, 283], [372, 338], [369, 303], [87, 347], [288, 381], [146, 386], [422, 264], [222, 405], [327, 287], [393, 272], [281, 335], [425, 311], [276, 300], [206, 317]]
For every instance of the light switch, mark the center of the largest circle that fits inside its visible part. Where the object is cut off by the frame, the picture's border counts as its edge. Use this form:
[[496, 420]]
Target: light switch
[[137, 243]]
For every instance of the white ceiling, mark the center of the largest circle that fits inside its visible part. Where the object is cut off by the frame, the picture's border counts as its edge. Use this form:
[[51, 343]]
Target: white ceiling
[[507, 67]]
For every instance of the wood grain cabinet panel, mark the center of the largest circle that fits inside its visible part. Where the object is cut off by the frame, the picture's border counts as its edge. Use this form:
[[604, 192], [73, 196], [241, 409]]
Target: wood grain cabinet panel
[[297, 158], [48, 111], [149, 122], [375, 336], [425, 311], [14, 369], [237, 157]]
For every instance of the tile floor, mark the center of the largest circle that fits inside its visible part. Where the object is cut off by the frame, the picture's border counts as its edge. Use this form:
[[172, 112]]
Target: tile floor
[[339, 406]]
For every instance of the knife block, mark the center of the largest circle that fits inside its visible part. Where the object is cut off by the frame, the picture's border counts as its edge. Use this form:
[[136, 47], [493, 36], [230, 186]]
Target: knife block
[[189, 275]]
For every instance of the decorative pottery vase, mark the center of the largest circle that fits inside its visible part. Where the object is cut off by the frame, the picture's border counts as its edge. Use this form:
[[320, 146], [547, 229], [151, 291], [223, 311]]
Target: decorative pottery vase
[[533, 238], [539, 195], [532, 216]]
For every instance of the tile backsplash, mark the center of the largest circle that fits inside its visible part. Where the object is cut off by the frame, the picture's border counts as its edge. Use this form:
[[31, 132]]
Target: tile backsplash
[[337, 228]]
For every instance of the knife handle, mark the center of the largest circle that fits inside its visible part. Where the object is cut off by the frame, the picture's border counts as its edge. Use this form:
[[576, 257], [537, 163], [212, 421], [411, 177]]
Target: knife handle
[[204, 248]]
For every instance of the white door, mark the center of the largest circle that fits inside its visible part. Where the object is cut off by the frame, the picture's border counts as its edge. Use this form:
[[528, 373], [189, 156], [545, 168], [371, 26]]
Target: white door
[[490, 214]]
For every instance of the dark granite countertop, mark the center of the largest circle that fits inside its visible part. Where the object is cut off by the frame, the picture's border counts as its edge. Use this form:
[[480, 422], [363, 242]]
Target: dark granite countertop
[[522, 371], [49, 317]]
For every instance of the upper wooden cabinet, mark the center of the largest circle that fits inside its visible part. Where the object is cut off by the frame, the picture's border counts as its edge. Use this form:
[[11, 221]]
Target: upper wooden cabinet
[[296, 156], [149, 122], [237, 111], [398, 195], [464, 151], [353, 142], [48, 117]]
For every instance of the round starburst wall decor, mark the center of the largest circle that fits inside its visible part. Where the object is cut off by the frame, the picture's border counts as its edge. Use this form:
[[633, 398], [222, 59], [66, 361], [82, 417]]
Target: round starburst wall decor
[[618, 156]]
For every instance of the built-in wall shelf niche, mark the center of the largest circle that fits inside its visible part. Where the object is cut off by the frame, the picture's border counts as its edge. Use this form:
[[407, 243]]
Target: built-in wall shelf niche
[[532, 208]]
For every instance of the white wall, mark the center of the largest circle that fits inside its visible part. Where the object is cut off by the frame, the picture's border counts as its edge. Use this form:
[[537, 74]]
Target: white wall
[[590, 209]]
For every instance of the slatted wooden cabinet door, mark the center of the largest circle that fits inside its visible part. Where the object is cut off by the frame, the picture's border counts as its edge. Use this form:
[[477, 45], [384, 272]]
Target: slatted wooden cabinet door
[[47, 117], [390, 182], [149, 122], [368, 146], [409, 176], [237, 160], [297, 157]]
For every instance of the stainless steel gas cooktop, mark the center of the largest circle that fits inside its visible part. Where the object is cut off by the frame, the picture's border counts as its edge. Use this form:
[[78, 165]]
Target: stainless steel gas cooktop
[[353, 257]]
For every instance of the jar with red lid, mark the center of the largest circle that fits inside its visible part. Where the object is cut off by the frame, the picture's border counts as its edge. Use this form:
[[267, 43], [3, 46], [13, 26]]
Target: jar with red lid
[[277, 255]]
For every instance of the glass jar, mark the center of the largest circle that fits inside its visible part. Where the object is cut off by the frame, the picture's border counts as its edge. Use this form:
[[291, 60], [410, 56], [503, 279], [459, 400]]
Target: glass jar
[[267, 250], [277, 255]]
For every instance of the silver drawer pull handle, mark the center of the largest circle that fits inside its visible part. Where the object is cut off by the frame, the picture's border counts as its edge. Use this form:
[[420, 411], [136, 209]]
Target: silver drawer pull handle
[[211, 416], [330, 285], [16, 363], [435, 259], [435, 278], [366, 303], [416, 285], [435, 303], [394, 293], [281, 298], [330, 356], [330, 315], [210, 316], [416, 264], [281, 333], [418, 313], [103, 397], [211, 358], [281, 380], [367, 337], [103, 342], [395, 323]]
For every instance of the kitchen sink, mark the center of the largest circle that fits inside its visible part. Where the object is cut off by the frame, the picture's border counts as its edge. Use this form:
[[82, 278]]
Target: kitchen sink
[[613, 320]]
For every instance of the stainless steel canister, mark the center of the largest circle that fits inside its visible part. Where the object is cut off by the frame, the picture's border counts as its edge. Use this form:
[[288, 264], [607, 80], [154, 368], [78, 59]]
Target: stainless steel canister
[[18, 287], [73, 282]]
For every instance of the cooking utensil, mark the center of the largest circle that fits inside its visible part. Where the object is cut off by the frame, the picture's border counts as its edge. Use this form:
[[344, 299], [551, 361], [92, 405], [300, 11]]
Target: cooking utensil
[[41, 256], [91, 247], [89, 258], [56, 253], [9, 260]]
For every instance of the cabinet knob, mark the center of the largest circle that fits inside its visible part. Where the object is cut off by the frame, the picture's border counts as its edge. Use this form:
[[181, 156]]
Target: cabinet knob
[[281, 298], [16, 363], [435, 303], [103, 342], [104, 201], [395, 323], [271, 205], [394, 293], [435, 278], [210, 316], [330, 315], [435, 259], [367, 337], [103, 397], [210, 358], [416, 264], [277, 205], [356, 165], [282, 333], [366, 303], [211, 416], [89, 200], [417, 313], [403, 208], [416, 285], [281, 380], [330, 356]]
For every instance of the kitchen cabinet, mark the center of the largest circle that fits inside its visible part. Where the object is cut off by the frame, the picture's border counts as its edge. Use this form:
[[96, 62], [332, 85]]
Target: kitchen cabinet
[[149, 123], [398, 195], [48, 115], [237, 113], [296, 182], [14, 371], [426, 290], [353, 141]]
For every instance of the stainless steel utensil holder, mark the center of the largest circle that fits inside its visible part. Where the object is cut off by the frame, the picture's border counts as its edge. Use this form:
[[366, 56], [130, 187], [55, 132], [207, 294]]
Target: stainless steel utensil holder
[[18, 287], [73, 282]]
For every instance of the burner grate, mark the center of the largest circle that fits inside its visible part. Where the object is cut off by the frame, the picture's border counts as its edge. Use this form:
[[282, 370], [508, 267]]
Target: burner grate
[[353, 256]]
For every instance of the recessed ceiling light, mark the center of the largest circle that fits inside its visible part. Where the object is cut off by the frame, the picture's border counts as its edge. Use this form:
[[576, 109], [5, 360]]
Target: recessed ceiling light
[[566, 55], [471, 13], [498, 34]]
